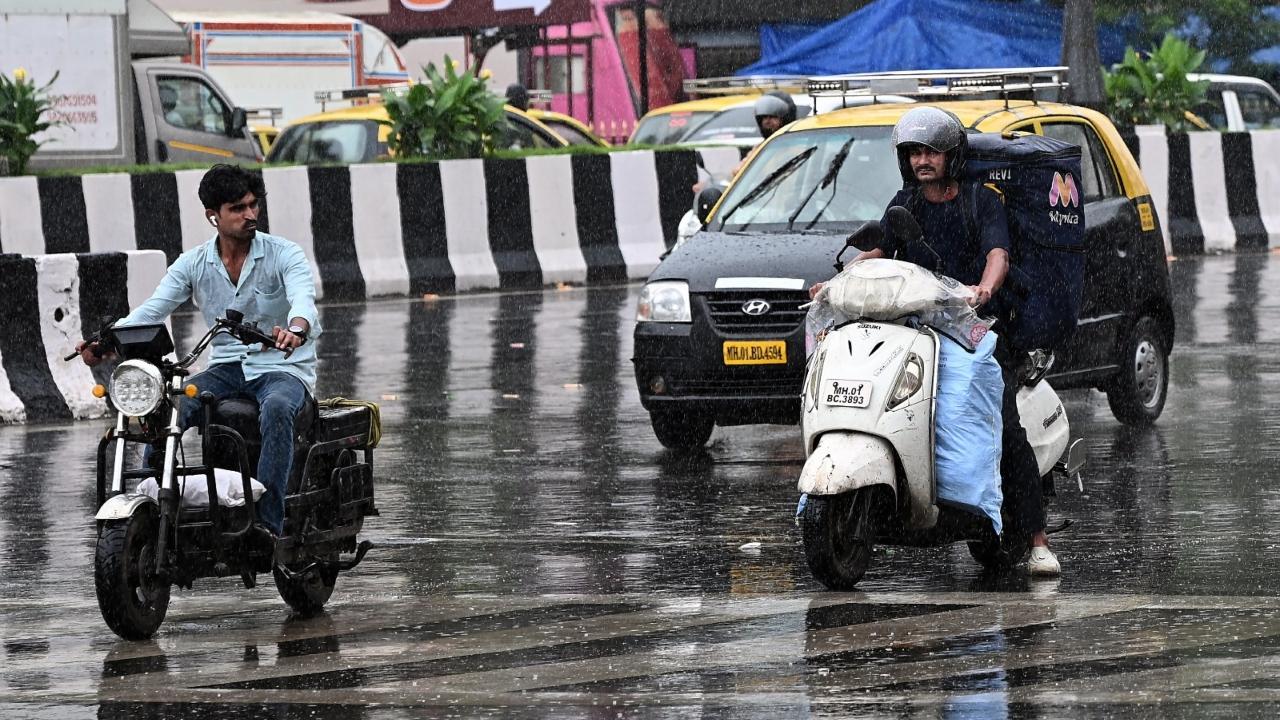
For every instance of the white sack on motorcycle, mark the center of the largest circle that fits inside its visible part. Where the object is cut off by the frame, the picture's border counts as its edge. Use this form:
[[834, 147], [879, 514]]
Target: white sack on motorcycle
[[882, 289]]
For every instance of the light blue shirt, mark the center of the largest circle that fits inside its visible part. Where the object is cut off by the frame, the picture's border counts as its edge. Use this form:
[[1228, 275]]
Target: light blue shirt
[[275, 285]]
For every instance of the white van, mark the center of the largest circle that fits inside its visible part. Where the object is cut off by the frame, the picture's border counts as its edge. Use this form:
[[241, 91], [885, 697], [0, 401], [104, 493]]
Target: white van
[[280, 60], [1236, 103]]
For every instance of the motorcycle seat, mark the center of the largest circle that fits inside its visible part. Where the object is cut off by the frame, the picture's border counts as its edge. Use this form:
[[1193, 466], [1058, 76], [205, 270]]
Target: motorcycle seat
[[240, 413]]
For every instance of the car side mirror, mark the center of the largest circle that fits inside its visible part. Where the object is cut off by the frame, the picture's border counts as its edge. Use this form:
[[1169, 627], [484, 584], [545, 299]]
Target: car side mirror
[[239, 121], [707, 199]]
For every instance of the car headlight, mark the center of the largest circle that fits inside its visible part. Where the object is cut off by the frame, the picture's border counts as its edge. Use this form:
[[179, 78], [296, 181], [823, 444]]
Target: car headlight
[[664, 301], [136, 387]]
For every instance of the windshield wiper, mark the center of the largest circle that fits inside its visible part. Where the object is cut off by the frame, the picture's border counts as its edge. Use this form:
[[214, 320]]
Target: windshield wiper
[[770, 180], [829, 178]]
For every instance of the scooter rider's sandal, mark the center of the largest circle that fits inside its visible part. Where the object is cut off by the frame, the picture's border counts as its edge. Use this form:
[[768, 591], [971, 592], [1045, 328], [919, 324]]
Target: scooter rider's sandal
[[1043, 562]]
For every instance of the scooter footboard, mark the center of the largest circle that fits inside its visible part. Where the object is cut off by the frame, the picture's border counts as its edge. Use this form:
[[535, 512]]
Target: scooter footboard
[[843, 462]]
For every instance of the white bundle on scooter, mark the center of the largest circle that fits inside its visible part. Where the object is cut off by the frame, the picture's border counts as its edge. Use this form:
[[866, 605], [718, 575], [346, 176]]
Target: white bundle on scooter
[[883, 289], [195, 489]]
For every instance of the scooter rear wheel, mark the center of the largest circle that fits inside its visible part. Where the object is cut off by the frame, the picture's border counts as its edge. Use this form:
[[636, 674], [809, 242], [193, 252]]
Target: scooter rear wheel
[[839, 536], [133, 601]]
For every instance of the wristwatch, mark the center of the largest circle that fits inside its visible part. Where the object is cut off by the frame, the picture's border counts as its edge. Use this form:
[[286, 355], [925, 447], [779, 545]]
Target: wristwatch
[[299, 331]]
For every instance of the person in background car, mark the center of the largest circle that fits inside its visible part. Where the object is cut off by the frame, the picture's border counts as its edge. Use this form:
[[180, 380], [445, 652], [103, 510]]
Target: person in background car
[[518, 97], [774, 110]]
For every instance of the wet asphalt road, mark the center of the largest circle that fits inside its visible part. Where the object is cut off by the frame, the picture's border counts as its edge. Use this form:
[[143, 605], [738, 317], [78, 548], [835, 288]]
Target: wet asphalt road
[[541, 556]]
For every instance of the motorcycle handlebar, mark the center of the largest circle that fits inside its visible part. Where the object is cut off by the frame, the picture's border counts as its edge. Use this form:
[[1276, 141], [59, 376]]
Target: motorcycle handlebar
[[249, 334]]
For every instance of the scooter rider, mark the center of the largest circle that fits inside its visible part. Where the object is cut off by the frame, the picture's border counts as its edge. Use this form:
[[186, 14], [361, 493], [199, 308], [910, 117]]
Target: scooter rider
[[930, 145], [269, 279]]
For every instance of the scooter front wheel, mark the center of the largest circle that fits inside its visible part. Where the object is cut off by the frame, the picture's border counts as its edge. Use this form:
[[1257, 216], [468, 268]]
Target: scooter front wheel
[[839, 536], [132, 599]]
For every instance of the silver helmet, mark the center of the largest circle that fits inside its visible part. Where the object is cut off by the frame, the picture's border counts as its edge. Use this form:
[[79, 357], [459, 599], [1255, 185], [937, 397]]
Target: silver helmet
[[935, 129]]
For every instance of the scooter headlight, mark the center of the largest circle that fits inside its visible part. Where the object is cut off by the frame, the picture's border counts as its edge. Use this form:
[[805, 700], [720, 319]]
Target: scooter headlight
[[664, 301], [909, 381], [136, 387]]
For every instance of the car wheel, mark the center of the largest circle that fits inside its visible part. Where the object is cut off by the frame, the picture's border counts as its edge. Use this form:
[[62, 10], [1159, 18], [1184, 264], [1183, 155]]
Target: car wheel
[[680, 430], [1137, 396]]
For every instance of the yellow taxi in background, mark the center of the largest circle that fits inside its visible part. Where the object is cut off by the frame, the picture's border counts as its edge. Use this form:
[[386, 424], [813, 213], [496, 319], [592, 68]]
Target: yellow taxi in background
[[743, 278], [355, 135], [573, 130]]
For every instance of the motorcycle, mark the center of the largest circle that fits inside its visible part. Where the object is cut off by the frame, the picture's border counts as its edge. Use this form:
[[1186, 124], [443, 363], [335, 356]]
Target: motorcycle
[[149, 543], [869, 476]]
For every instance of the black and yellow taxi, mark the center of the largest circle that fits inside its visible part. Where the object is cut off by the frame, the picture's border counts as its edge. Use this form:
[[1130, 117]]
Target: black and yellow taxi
[[355, 135], [573, 130], [719, 337]]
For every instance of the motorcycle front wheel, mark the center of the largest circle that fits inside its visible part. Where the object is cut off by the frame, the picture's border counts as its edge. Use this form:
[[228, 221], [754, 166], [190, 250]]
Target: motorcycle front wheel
[[132, 599], [839, 536]]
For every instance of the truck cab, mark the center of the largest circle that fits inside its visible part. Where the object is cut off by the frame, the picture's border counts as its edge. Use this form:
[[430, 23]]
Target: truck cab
[[183, 115]]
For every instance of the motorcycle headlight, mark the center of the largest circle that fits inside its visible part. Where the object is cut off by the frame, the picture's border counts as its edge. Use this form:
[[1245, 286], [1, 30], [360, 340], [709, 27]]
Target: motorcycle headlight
[[664, 301], [136, 387]]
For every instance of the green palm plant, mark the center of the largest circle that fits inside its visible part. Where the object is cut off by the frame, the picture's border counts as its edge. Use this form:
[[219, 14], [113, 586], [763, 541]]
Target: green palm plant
[[450, 115], [1155, 89], [25, 111]]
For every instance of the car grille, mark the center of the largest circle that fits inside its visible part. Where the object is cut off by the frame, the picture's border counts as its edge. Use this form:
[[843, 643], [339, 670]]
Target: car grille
[[784, 314], [739, 387]]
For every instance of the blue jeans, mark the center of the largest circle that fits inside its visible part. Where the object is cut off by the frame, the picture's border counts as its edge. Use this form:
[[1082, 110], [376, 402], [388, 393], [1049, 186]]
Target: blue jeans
[[280, 396]]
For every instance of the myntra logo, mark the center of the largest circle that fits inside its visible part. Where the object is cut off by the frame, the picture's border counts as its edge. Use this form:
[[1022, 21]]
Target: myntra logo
[[1063, 191], [425, 5]]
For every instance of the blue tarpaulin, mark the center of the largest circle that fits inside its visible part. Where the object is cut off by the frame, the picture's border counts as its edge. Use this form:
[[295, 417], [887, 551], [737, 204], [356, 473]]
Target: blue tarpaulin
[[923, 35]]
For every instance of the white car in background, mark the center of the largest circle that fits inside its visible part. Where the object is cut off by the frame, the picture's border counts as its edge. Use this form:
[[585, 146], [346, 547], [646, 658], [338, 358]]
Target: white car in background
[[1237, 103]]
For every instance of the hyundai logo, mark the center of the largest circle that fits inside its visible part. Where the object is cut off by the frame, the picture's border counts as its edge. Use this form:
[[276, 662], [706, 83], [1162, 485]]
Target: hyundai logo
[[756, 307]]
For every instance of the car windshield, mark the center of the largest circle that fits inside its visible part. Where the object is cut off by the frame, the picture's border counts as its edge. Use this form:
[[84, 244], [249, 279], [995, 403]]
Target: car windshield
[[668, 128], [734, 124], [341, 141], [864, 183]]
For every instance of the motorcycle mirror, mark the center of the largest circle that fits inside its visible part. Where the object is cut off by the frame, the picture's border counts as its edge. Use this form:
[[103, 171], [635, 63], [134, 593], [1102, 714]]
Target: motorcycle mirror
[[707, 199], [903, 225], [235, 316]]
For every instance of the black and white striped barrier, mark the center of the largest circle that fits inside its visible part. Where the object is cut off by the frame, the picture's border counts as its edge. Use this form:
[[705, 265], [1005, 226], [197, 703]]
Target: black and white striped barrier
[[392, 229], [1214, 191], [51, 302]]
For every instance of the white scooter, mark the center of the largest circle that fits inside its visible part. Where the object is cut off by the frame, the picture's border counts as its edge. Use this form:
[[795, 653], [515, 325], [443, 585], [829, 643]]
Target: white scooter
[[868, 424]]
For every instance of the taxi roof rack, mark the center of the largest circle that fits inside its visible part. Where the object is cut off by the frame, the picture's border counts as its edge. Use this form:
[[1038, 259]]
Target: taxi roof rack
[[941, 84], [367, 93], [271, 114], [745, 85]]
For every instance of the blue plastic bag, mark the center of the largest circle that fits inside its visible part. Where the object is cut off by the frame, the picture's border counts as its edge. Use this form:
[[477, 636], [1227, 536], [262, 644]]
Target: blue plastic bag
[[967, 428]]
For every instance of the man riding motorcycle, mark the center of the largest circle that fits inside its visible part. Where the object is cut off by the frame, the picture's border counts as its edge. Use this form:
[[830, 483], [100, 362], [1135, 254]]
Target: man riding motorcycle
[[269, 279], [931, 145]]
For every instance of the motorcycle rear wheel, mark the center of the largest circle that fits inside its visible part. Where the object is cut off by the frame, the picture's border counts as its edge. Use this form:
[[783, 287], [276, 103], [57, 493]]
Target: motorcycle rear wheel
[[306, 594], [132, 600], [839, 536]]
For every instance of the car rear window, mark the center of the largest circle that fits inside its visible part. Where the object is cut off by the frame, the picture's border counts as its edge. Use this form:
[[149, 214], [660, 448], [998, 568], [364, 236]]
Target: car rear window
[[668, 128]]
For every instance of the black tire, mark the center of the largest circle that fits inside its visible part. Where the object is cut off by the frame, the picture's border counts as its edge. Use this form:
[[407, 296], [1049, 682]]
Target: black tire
[[1001, 554], [1138, 393], [132, 600], [681, 430], [839, 536], [307, 593]]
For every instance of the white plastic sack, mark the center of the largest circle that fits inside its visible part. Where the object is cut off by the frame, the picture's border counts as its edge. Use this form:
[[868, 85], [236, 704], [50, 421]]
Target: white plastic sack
[[884, 290], [195, 489], [968, 426]]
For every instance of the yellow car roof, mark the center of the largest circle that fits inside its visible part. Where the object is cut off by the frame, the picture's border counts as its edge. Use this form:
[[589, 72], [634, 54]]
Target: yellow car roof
[[575, 123], [986, 116], [378, 111]]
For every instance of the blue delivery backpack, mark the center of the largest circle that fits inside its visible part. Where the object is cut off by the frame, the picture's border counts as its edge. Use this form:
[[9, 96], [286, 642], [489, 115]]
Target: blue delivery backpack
[[1039, 180]]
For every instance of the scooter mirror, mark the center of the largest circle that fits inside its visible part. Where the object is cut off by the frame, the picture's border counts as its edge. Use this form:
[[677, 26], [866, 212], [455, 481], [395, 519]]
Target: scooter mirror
[[868, 236], [903, 225]]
